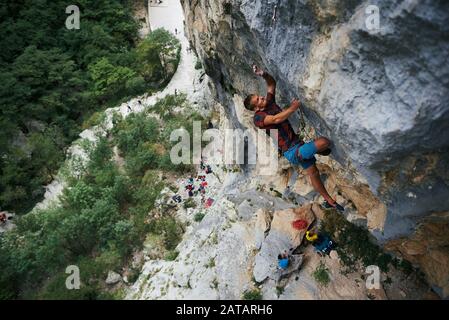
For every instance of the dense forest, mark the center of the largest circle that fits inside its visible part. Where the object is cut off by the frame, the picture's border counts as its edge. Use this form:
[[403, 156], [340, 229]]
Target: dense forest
[[107, 212], [55, 80]]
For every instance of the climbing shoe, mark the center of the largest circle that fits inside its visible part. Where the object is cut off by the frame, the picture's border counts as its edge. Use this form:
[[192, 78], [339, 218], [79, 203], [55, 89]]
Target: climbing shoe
[[327, 205]]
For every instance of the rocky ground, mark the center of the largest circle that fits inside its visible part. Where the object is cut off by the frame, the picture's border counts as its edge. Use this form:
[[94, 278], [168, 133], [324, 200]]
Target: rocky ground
[[233, 249], [229, 249], [377, 94]]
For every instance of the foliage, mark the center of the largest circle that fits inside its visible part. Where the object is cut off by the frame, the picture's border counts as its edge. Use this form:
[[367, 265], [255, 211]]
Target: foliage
[[155, 53], [321, 274], [354, 243], [252, 295], [102, 218], [171, 255], [198, 217], [55, 79], [95, 119], [279, 290], [190, 203]]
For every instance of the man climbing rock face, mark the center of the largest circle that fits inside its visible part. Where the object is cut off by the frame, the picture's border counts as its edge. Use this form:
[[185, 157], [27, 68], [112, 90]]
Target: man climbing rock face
[[268, 115]]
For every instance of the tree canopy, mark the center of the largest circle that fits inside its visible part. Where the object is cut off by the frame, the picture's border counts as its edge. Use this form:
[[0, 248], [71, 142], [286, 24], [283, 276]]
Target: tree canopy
[[54, 79]]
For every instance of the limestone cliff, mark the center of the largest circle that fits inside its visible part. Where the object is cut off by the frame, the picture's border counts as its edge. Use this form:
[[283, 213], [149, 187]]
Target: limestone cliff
[[380, 95]]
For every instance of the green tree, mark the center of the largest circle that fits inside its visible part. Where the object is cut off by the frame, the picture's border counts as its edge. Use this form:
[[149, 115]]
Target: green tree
[[109, 80]]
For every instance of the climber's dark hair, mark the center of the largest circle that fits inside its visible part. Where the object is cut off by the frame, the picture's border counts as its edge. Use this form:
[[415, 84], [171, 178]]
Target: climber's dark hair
[[248, 105]]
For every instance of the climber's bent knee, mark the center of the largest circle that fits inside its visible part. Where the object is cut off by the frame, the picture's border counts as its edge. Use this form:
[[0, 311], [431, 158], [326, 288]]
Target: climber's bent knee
[[322, 144]]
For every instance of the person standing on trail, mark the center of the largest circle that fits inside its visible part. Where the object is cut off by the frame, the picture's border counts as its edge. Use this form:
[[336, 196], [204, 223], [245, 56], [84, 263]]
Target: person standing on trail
[[268, 115]]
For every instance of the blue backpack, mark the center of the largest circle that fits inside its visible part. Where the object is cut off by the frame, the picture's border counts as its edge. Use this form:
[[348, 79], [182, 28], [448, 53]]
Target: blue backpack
[[324, 244]]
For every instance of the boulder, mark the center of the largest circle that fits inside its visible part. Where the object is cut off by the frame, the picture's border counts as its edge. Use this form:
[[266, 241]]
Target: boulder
[[427, 248], [281, 237], [263, 220], [113, 278]]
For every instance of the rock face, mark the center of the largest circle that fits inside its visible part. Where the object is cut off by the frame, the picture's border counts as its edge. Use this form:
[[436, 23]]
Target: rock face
[[283, 237], [428, 248], [380, 95], [113, 278], [234, 248]]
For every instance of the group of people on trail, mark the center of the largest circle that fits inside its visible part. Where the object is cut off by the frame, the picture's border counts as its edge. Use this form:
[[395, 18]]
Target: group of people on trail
[[268, 115], [198, 186]]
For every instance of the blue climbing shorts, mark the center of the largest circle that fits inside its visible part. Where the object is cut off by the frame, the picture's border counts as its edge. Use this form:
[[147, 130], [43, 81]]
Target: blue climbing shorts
[[302, 154]]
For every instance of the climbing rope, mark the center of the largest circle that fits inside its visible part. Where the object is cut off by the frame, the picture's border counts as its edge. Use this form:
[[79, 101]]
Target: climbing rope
[[302, 126]]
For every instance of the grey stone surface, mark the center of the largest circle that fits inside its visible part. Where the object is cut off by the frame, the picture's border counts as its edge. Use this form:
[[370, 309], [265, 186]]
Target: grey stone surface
[[380, 96], [113, 278]]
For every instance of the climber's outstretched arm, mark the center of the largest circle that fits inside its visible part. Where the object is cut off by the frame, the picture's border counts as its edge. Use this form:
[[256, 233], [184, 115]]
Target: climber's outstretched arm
[[271, 83], [282, 116]]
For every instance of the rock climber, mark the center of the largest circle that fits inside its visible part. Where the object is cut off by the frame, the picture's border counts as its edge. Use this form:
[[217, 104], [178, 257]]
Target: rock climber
[[283, 260], [268, 115]]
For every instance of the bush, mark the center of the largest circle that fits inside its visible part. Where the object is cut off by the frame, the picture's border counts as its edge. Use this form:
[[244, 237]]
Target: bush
[[95, 119], [354, 243], [198, 217], [170, 230], [198, 65], [159, 49], [321, 274], [252, 295], [171, 255], [165, 105], [190, 203]]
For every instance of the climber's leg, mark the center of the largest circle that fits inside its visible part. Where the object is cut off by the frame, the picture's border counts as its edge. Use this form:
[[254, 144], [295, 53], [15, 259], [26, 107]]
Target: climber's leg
[[315, 178], [322, 145]]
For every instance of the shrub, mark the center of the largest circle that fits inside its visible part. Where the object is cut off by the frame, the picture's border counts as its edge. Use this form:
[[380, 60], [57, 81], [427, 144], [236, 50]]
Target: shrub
[[211, 263], [170, 230], [252, 295], [165, 105], [198, 217], [354, 243], [321, 274], [190, 203], [159, 49], [171, 255]]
